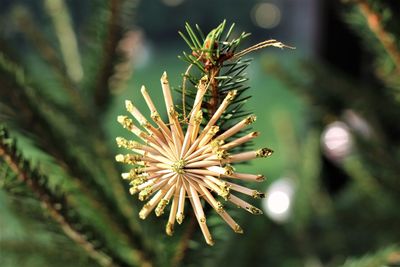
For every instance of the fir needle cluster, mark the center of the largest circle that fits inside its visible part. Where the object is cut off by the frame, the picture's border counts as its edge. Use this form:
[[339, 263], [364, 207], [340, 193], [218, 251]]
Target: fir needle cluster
[[180, 161]]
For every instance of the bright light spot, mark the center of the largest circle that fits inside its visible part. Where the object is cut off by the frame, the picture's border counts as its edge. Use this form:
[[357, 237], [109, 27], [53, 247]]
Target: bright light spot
[[277, 205], [336, 140], [278, 202], [172, 2], [266, 15]]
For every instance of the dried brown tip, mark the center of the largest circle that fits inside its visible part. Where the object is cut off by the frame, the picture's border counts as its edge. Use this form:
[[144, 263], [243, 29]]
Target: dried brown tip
[[133, 190], [122, 119], [210, 241], [203, 80], [221, 154], [228, 170], [199, 117], [254, 210], [129, 105], [250, 119], [231, 95], [238, 229], [160, 207], [180, 217], [164, 77], [255, 134], [264, 152], [119, 158], [169, 229], [224, 191], [257, 194], [145, 193], [155, 116], [220, 207], [260, 177], [128, 159], [143, 211]]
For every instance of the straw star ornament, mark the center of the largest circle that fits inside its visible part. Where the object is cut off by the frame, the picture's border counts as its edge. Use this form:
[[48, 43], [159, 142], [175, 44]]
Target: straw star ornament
[[188, 161]]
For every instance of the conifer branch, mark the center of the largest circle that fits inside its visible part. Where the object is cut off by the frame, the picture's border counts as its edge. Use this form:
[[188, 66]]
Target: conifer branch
[[22, 99], [54, 143], [374, 22], [55, 205], [114, 34], [216, 57], [222, 73], [336, 97], [389, 256], [36, 37], [59, 13]]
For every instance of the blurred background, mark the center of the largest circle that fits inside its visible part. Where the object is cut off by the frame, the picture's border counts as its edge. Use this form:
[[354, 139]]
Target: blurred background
[[330, 109]]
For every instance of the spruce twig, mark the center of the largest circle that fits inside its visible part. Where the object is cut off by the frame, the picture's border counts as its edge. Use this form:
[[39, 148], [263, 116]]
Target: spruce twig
[[217, 54], [114, 34], [374, 22], [221, 70], [388, 256], [58, 11], [28, 26], [33, 120], [55, 206]]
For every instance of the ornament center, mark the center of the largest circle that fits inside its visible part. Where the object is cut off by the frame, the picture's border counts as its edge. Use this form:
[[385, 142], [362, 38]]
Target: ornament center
[[178, 166]]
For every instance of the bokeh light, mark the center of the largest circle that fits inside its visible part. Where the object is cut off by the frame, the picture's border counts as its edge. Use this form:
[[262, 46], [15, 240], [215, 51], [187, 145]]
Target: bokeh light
[[266, 15], [277, 205], [278, 202], [337, 140]]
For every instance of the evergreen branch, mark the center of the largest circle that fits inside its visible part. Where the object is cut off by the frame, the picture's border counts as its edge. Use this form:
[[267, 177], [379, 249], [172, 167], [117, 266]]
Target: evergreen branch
[[114, 34], [203, 38], [374, 21], [228, 34], [97, 144], [32, 120], [58, 11], [367, 182], [102, 91], [379, 151], [218, 60], [28, 26], [55, 205], [186, 75], [215, 59], [193, 36], [22, 99], [389, 256], [48, 253]]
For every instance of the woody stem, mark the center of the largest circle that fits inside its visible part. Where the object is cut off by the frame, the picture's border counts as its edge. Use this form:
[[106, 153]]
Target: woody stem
[[213, 103]]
